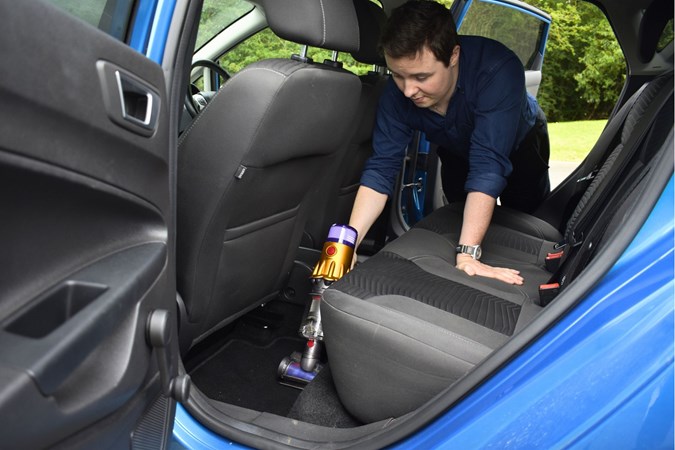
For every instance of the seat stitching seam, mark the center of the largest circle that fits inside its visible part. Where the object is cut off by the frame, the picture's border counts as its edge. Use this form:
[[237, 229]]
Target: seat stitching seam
[[199, 116], [413, 338], [323, 17], [248, 69], [442, 330]]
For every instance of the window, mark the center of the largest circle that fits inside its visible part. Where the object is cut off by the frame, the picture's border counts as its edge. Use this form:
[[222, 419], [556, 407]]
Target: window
[[218, 15], [109, 16], [522, 33], [666, 36]]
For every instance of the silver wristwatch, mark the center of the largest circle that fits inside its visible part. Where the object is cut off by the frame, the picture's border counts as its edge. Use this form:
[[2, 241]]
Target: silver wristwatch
[[472, 250]]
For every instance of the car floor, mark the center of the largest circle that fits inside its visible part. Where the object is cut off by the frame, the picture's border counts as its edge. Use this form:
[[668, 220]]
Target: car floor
[[239, 364]]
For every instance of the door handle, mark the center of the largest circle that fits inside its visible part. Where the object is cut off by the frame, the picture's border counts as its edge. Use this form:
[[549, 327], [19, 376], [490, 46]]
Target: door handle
[[137, 101], [130, 101]]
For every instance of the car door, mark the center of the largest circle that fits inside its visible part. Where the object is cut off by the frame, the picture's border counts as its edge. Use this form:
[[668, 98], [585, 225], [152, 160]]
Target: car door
[[522, 28], [87, 286]]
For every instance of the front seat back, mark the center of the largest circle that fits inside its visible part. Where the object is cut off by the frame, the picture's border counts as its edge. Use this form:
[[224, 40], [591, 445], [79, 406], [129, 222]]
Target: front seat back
[[341, 191], [248, 164]]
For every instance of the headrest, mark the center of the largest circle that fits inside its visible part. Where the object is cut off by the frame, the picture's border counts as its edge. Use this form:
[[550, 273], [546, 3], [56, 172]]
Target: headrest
[[328, 24], [371, 21]]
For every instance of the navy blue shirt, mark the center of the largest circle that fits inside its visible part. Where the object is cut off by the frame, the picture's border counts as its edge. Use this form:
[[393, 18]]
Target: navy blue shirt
[[488, 116]]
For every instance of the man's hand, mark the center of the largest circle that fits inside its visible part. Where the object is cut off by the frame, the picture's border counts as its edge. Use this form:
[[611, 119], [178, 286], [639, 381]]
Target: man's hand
[[474, 267]]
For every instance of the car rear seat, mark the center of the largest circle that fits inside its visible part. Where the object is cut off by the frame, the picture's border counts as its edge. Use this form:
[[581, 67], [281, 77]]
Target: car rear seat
[[406, 323]]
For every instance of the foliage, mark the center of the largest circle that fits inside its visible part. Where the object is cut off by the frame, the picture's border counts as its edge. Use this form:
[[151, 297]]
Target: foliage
[[584, 69], [520, 32], [604, 72], [218, 15], [266, 44]]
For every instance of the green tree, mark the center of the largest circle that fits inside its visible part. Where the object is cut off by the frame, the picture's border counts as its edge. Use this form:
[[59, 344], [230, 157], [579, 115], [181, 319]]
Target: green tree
[[603, 73], [584, 69], [217, 15], [266, 45]]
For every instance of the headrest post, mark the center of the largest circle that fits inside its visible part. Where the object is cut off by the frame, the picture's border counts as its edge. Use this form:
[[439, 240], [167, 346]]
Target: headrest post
[[302, 57], [333, 62]]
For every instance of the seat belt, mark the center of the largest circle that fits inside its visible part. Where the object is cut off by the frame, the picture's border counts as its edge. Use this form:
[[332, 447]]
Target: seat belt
[[555, 258], [623, 158], [575, 236], [615, 125], [559, 253]]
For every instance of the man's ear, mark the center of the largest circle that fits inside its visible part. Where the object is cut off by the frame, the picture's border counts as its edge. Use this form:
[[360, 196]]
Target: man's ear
[[454, 58]]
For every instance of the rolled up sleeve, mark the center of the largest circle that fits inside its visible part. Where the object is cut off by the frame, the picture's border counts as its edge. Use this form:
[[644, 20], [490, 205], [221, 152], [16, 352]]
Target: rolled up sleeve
[[497, 118], [390, 139]]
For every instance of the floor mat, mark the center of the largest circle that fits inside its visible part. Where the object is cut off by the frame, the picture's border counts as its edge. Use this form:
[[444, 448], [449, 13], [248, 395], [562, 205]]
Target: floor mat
[[245, 374], [319, 404]]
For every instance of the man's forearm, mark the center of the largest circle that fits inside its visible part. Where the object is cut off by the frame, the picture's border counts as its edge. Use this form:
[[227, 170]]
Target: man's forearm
[[477, 216], [368, 206]]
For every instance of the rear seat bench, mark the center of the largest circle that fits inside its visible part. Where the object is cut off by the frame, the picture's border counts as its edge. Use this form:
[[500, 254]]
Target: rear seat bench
[[406, 324]]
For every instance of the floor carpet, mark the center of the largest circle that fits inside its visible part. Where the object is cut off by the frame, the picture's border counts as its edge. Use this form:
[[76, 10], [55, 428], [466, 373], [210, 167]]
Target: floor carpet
[[245, 374]]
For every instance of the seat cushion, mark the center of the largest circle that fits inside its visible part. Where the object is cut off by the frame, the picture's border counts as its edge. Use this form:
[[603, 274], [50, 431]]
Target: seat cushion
[[406, 324]]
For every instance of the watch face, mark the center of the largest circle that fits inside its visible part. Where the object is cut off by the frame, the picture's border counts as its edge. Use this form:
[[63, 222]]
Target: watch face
[[477, 252], [474, 251]]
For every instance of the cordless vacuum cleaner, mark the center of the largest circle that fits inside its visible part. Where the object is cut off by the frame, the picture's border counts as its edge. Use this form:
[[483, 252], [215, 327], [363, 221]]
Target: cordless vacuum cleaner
[[336, 259]]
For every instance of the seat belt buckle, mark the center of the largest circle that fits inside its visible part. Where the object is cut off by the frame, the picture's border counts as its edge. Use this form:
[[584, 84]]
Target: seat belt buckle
[[553, 260], [588, 177], [547, 292]]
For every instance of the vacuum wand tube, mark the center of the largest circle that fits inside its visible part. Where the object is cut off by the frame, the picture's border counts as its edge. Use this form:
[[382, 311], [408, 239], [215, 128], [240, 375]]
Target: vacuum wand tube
[[334, 262]]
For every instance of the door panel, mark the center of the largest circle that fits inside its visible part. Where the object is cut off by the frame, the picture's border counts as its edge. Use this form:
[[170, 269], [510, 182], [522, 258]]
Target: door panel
[[85, 216], [532, 81]]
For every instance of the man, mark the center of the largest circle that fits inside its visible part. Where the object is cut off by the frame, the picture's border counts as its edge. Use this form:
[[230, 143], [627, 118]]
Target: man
[[470, 99]]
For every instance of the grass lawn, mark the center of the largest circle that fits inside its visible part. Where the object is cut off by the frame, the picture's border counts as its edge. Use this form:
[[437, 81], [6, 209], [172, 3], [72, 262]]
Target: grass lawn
[[571, 141]]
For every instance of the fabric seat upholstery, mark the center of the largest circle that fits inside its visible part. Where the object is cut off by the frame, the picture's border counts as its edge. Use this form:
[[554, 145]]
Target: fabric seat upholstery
[[406, 323]]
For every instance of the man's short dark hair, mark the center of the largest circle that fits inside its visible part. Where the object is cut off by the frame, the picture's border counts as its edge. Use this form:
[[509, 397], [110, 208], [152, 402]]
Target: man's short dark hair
[[417, 23]]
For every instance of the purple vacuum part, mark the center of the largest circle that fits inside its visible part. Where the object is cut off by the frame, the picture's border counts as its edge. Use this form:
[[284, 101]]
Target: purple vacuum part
[[294, 371], [342, 234]]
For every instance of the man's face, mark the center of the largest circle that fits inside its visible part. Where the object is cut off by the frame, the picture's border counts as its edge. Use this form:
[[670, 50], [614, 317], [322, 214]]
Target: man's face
[[424, 79]]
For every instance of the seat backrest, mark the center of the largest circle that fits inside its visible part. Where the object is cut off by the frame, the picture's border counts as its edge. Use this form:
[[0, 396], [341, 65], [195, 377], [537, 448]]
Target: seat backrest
[[639, 117], [341, 190], [248, 163]]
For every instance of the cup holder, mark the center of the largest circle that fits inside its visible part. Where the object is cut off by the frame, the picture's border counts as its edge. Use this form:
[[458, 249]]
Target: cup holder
[[55, 308]]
